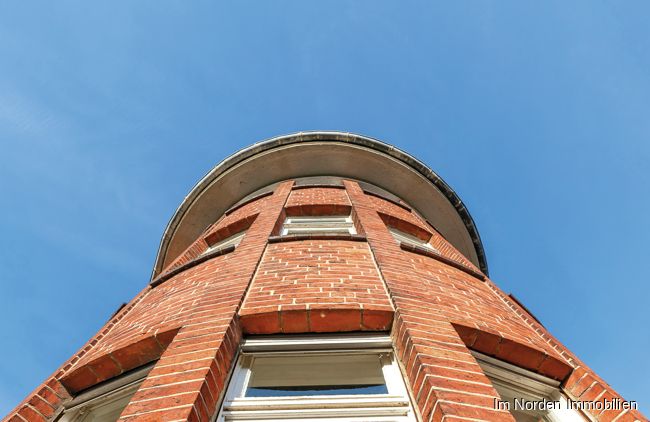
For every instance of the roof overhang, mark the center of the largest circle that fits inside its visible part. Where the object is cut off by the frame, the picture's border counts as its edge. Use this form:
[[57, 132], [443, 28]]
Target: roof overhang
[[307, 154]]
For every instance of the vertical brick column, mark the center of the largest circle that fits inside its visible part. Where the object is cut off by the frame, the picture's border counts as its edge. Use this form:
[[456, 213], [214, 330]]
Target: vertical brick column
[[189, 378], [443, 376]]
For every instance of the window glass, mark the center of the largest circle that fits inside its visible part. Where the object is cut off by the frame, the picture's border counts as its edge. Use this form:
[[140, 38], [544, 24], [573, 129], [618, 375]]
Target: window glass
[[316, 375]]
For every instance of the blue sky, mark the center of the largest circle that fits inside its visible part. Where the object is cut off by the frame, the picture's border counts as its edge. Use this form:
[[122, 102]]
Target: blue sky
[[536, 113]]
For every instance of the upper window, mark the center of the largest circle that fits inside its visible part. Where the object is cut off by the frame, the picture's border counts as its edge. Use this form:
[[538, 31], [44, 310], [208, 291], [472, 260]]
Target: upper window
[[346, 378], [409, 239], [228, 241], [528, 396], [105, 402], [318, 224]]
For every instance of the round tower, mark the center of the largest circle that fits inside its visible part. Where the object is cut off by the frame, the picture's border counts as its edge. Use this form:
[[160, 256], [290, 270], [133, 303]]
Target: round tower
[[322, 276]]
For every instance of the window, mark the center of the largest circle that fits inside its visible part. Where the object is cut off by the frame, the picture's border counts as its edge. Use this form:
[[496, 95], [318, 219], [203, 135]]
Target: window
[[307, 378], [409, 239], [522, 390], [105, 402], [318, 224], [233, 240]]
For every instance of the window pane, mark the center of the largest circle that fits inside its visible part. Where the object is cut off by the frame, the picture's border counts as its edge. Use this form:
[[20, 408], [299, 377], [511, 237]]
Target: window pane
[[276, 376], [318, 224]]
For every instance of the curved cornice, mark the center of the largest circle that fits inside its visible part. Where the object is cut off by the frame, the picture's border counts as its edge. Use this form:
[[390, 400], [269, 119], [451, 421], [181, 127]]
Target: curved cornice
[[321, 154]]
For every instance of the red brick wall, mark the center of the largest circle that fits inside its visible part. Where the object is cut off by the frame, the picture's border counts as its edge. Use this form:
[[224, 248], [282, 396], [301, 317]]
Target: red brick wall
[[318, 201], [191, 322], [240, 218], [298, 282], [410, 222]]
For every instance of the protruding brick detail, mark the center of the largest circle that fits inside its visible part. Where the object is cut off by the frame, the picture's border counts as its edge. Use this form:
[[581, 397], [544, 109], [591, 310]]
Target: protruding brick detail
[[406, 226], [323, 319], [223, 232], [318, 201], [493, 344], [410, 222], [118, 361]]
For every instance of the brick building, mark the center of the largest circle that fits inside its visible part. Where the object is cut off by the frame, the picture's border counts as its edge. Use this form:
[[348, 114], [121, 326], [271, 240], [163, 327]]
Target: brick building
[[322, 276]]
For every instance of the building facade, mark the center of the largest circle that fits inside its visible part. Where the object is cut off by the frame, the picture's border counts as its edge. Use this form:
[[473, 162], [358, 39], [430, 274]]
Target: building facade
[[323, 276]]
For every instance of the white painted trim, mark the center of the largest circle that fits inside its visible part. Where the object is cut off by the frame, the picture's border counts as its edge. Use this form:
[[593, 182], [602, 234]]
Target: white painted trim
[[409, 239], [233, 240], [394, 406], [107, 398], [312, 342], [503, 370], [122, 381], [318, 224]]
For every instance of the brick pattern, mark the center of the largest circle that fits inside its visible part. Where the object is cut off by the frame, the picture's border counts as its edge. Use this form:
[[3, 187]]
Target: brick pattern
[[240, 219], [462, 299], [388, 208], [42, 404], [300, 283], [192, 322], [164, 308], [245, 211], [192, 252], [318, 201]]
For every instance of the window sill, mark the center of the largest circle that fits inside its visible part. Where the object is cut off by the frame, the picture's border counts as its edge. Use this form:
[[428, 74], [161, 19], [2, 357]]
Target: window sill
[[317, 402], [306, 408]]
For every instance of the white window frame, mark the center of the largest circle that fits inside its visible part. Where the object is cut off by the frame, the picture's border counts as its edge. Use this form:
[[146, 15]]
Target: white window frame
[[409, 239], [233, 240], [104, 399], [512, 381], [318, 224], [393, 406]]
